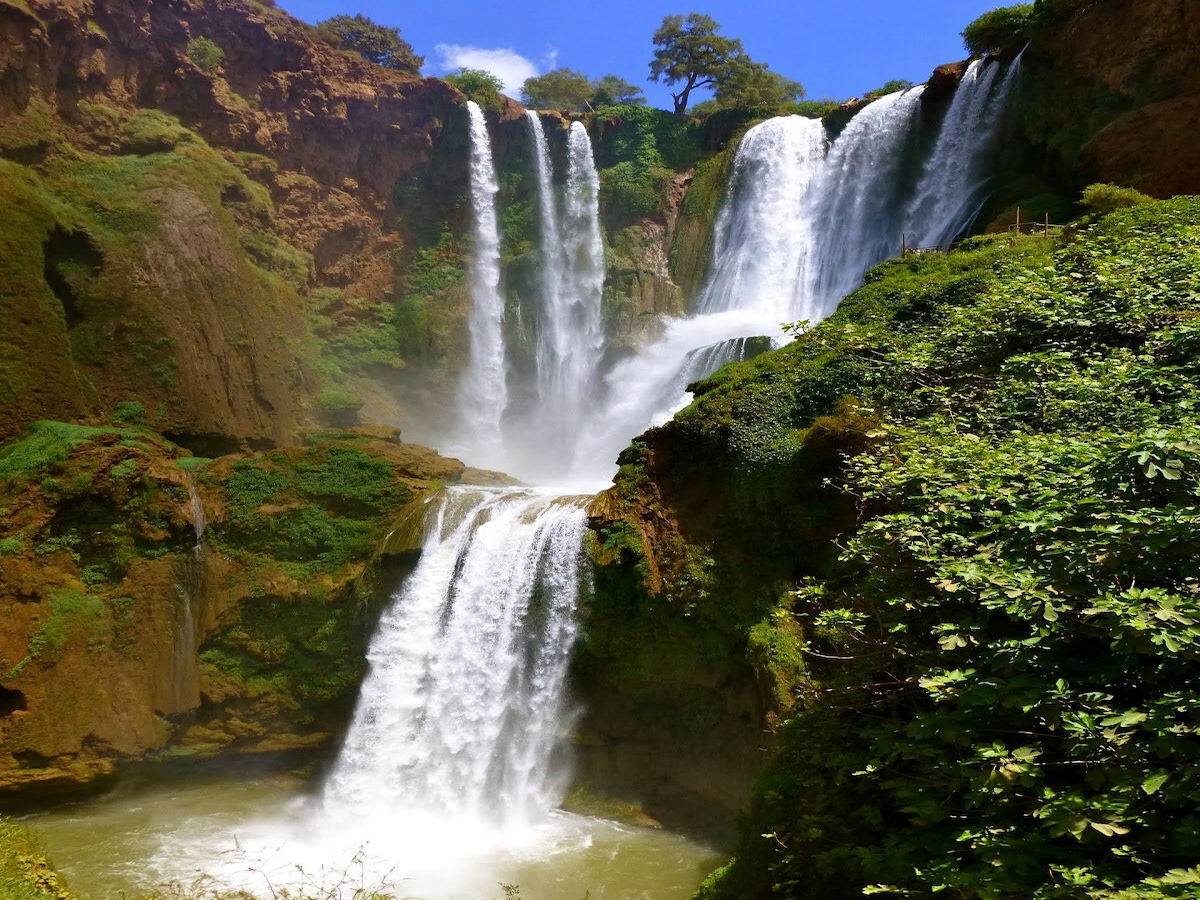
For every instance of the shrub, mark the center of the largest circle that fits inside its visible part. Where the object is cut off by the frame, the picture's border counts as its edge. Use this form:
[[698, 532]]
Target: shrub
[[482, 87], [1106, 198], [1001, 29], [205, 54], [130, 411]]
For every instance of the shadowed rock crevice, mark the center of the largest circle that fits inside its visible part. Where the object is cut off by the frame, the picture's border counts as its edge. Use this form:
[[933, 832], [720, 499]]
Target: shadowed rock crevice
[[69, 256], [11, 701]]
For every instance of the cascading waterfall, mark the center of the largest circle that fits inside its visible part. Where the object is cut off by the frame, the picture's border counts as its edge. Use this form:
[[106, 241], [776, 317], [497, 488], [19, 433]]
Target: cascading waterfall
[[570, 334], [761, 240], [483, 391], [184, 692], [463, 710], [458, 733], [803, 219], [950, 193], [855, 199]]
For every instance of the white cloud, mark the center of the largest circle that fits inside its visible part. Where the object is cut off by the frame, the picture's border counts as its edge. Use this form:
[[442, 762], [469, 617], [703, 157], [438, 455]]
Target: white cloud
[[505, 63]]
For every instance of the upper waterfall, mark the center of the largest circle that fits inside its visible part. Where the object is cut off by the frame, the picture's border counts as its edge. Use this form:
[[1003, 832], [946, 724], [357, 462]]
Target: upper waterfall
[[762, 241], [951, 190], [570, 333], [483, 390]]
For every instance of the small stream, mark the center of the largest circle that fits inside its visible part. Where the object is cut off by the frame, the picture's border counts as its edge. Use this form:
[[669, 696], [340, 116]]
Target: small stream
[[152, 830]]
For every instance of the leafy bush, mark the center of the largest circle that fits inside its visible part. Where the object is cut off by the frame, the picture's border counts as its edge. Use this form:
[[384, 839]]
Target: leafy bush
[[1007, 28], [1107, 198], [482, 87], [205, 54]]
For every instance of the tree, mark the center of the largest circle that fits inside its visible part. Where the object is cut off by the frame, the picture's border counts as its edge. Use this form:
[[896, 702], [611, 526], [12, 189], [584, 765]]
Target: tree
[[749, 83], [1008, 28], [481, 86], [557, 89], [612, 90], [374, 42], [691, 53]]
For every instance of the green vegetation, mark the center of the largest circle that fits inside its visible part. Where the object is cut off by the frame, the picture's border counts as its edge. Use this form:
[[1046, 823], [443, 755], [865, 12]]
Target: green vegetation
[[322, 508], [692, 54], [373, 42], [49, 444], [482, 87], [571, 90], [25, 871], [205, 54], [956, 524], [1007, 28], [1105, 198]]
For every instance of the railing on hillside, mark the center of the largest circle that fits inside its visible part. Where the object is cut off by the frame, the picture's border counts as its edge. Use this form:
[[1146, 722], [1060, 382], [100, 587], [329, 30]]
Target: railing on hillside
[[1021, 227]]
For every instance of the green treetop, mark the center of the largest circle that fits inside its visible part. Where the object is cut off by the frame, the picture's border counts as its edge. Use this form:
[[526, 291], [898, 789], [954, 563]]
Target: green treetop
[[374, 42], [691, 54]]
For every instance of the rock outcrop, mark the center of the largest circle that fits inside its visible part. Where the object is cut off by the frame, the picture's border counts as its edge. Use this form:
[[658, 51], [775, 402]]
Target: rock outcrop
[[127, 635]]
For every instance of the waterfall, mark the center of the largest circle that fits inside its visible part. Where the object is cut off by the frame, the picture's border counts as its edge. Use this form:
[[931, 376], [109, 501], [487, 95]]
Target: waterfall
[[463, 711], [184, 684], [950, 192], [803, 219], [761, 239], [570, 335], [483, 391], [856, 198]]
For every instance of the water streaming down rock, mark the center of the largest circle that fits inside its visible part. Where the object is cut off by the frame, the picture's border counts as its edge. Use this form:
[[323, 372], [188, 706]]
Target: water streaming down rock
[[184, 686], [762, 240], [570, 334], [857, 200], [463, 710], [483, 390], [950, 192]]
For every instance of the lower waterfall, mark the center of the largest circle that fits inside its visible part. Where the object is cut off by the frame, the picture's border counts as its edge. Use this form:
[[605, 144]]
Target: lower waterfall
[[463, 710]]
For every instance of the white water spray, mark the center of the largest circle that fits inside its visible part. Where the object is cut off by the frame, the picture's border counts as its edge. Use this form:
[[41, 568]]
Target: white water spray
[[483, 391]]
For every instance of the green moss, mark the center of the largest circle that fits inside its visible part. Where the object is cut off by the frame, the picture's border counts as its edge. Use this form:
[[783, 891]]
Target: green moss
[[12, 545], [71, 613], [49, 444], [325, 508]]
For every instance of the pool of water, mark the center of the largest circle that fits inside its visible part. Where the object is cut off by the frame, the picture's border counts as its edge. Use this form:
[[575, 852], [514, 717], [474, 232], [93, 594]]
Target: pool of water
[[263, 831]]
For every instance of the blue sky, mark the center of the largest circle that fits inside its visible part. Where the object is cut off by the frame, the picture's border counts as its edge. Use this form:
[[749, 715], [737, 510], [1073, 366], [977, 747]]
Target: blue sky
[[836, 48]]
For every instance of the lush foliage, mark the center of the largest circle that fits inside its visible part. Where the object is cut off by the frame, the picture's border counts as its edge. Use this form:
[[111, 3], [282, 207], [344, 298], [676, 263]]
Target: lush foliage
[[25, 872], [374, 42], [571, 90], [316, 509], [481, 86], [982, 478], [613, 90], [889, 87], [1007, 28]]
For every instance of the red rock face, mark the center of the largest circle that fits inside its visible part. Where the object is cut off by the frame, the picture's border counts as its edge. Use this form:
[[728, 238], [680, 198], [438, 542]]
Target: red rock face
[[1141, 57]]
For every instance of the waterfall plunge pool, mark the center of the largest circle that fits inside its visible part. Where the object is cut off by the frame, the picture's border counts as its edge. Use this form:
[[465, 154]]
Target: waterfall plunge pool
[[244, 829]]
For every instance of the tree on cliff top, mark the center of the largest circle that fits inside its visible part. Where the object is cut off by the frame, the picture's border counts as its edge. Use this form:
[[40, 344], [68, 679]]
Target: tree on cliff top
[[691, 53], [568, 89], [374, 42]]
